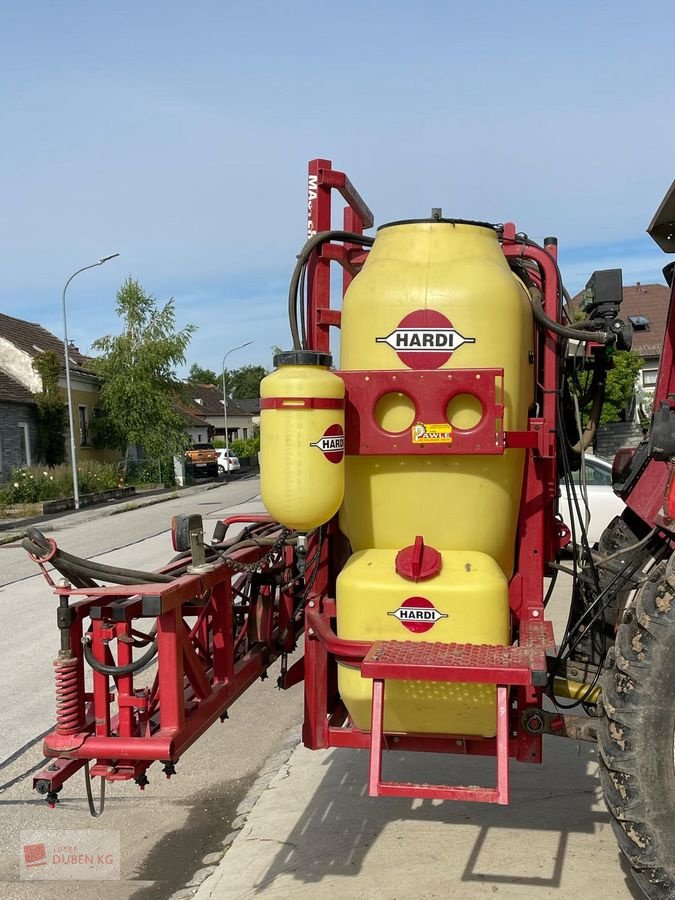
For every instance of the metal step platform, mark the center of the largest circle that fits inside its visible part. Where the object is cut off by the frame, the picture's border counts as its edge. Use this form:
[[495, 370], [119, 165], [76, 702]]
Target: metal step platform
[[522, 665]]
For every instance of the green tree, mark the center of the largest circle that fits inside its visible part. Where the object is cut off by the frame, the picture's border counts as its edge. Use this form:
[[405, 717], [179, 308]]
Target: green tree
[[137, 369], [620, 385], [197, 375], [52, 412], [244, 383]]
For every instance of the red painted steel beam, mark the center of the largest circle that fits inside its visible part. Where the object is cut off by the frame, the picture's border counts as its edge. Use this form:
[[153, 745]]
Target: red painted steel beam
[[333, 179], [321, 630]]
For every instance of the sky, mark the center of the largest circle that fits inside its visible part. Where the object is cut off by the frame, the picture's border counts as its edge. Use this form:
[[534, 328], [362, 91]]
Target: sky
[[178, 135]]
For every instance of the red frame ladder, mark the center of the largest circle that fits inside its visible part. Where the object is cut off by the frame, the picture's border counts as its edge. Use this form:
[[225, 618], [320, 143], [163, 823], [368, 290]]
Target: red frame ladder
[[523, 665]]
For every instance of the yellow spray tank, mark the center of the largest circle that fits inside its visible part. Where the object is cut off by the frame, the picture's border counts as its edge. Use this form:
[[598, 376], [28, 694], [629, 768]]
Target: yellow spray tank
[[302, 440], [433, 295]]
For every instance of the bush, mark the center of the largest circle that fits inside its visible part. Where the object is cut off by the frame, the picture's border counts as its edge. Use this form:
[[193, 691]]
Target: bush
[[32, 485], [245, 447], [151, 471]]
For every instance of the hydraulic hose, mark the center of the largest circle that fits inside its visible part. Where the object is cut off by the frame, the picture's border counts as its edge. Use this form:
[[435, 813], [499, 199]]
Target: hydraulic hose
[[303, 257], [37, 544], [116, 671], [566, 331]]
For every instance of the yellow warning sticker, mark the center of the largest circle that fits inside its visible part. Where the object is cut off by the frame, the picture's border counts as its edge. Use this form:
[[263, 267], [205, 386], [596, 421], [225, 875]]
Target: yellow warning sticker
[[431, 434]]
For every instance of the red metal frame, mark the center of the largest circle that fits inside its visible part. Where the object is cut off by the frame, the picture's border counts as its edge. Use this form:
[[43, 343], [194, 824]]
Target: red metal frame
[[646, 496], [213, 642], [541, 534]]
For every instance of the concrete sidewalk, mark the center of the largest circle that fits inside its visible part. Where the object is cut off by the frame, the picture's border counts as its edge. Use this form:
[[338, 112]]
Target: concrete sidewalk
[[315, 833]]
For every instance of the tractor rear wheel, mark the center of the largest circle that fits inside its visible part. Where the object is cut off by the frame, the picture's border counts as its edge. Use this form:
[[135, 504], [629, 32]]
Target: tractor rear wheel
[[636, 734]]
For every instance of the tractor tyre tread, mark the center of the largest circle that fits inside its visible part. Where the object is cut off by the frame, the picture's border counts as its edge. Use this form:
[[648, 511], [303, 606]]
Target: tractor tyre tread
[[635, 737]]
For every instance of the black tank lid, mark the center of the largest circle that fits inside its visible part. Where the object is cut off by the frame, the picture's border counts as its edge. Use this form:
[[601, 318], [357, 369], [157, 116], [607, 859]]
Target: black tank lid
[[302, 358], [435, 220]]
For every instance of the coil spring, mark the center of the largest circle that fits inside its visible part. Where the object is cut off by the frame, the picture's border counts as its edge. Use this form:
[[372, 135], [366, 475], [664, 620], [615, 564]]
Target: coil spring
[[68, 719]]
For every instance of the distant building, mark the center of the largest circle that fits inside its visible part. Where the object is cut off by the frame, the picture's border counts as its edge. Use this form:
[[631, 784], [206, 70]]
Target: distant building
[[204, 403], [20, 343], [645, 306]]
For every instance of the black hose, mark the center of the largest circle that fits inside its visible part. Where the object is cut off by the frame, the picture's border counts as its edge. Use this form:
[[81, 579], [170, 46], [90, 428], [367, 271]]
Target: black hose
[[37, 544], [573, 334], [116, 671], [303, 257]]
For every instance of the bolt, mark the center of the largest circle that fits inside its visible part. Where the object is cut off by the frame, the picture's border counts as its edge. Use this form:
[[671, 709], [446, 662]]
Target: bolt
[[534, 723], [311, 604], [536, 613]]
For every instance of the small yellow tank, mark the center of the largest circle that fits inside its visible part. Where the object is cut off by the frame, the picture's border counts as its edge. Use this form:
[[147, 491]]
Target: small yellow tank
[[302, 440], [466, 602]]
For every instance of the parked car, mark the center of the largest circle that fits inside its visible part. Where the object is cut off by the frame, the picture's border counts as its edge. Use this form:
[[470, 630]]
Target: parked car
[[201, 461], [603, 504], [227, 461]]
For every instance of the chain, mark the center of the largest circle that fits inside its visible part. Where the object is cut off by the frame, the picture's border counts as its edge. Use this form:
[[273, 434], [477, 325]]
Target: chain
[[249, 568]]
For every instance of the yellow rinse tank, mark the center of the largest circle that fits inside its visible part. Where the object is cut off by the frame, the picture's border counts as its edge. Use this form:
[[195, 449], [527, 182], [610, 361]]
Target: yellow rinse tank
[[302, 440], [464, 506]]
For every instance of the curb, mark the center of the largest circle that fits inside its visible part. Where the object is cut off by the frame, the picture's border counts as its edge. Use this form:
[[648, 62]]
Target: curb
[[199, 886], [58, 523]]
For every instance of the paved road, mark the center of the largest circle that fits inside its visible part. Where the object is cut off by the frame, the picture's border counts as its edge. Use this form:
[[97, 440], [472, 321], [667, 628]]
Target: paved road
[[168, 829]]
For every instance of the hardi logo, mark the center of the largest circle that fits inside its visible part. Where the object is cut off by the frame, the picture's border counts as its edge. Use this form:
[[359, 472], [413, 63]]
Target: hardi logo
[[417, 614], [425, 339], [332, 444]]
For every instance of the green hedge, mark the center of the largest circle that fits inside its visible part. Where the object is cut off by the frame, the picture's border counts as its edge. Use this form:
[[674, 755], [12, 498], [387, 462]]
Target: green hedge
[[151, 471], [245, 447]]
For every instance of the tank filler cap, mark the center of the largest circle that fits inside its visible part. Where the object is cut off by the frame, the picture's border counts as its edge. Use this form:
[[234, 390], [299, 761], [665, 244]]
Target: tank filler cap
[[418, 562], [302, 358]]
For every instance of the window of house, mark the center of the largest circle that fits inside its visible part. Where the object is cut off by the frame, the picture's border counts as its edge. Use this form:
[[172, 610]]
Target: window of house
[[649, 377], [245, 430], [24, 444], [84, 425]]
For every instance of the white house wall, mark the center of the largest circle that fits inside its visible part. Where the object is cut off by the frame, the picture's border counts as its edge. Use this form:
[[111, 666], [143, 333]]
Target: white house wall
[[19, 365]]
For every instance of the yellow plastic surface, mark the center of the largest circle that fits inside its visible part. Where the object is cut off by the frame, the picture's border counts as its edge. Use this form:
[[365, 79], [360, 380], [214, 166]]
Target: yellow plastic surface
[[470, 590], [299, 485], [455, 502]]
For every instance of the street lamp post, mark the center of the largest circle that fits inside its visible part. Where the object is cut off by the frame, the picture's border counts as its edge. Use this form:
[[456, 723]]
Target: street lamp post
[[227, 440], [73, 458]]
